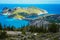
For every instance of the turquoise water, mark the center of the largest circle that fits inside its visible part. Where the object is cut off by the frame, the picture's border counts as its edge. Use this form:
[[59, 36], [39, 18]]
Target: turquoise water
[[12, 22], [51, 8]]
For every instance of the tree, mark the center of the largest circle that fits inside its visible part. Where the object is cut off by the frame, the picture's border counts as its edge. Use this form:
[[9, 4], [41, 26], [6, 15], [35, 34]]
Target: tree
[[53, 28], [8, 28], [3, 35], [12, 28], [0, 26], [5, 28]]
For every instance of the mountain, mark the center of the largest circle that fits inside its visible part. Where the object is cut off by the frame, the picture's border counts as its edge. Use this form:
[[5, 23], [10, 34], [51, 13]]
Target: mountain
[[22, 13], [45, 20]]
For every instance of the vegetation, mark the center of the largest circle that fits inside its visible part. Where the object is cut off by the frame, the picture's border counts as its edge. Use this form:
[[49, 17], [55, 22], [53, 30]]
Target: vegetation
[[0, 26], [37, 29], [3, 35], [53, 28], [33, 29]]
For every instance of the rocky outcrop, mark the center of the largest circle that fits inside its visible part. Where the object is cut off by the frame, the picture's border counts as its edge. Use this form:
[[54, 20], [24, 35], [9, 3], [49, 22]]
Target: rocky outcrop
[[45, 20], [6, 11]]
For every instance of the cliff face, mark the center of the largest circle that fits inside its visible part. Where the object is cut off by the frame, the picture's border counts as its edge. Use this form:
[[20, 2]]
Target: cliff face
[[45, 20]]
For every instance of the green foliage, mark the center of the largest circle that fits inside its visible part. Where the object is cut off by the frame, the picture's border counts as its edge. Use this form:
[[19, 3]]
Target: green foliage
[[37, 29], [12, 28], [56, 38], [53, 28], [9, 28], [3, 35], [0, 26], [23, 32], [4, 27]]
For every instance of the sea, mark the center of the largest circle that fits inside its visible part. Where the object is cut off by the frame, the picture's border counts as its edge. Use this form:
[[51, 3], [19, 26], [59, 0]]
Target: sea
[[50, 8]]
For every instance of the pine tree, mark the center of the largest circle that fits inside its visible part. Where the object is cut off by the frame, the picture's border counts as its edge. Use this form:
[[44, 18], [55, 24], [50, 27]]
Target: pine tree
[[5, 28], [8, 28], [12, 28], [0, 26], [53, 28]]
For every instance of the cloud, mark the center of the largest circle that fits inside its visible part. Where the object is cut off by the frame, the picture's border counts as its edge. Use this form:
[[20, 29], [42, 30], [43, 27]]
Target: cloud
[[29, 1]]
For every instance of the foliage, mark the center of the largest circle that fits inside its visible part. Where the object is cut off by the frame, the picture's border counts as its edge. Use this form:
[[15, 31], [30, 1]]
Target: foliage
[[12, 28], [3, 35], [23, 32], [36, 29], [53, 28], [9, 28], [0, 26]]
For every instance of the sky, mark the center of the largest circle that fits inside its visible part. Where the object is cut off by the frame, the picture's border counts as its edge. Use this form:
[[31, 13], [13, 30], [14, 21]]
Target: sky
[[29, 1]]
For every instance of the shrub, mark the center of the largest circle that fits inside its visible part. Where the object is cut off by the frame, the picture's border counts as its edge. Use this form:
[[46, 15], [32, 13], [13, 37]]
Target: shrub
[[3, 35]]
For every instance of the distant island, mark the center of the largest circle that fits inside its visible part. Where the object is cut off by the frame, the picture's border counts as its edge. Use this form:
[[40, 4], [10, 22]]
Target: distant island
[[21, 13]]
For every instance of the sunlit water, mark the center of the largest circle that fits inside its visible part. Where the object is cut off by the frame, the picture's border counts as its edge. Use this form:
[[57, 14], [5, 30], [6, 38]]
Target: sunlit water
[[51, 8]]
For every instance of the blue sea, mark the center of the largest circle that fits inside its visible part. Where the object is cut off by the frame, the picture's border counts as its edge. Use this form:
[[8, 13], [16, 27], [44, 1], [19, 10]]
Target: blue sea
[[51, 8]]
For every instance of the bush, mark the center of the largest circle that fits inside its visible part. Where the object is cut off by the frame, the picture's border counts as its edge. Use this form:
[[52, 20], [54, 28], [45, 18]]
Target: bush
[[3, 35], [37, 29], [23, 32], [0, 26], [53, 28]]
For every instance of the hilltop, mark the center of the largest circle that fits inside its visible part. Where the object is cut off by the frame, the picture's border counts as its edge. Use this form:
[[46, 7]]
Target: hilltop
[[21, 13]]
